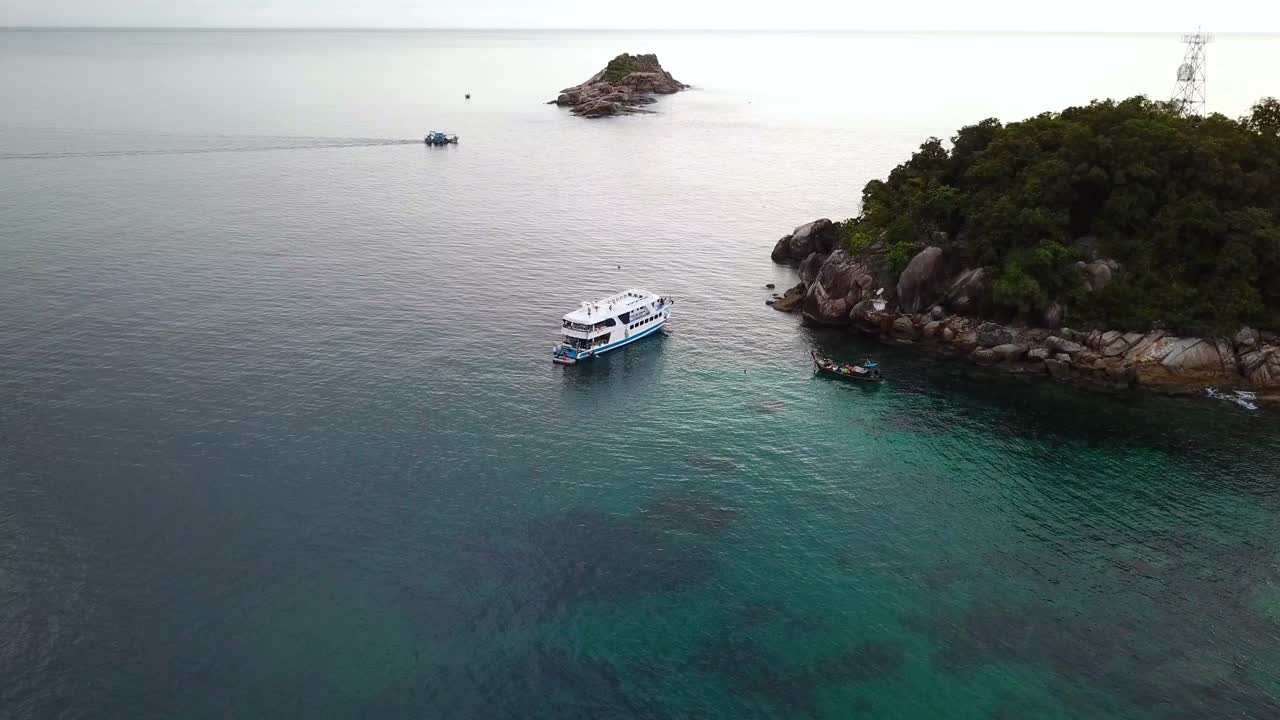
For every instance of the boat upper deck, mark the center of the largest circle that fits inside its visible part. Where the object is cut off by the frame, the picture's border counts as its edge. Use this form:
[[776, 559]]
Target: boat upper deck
[[593, 312]]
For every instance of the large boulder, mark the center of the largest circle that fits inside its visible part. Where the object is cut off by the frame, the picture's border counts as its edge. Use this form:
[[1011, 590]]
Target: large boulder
[[1247, 339], [992, 334], [840, 284], [865, 318], [921, 282], [1261, 367], [984, 356], [1114, 343], [598, 108], [968, 291], [1183, 362], [808, 271], [659, 82], [818, 236], [903, 328], [1099, 273], [782, 250], [1009, 352], [1061, 345]]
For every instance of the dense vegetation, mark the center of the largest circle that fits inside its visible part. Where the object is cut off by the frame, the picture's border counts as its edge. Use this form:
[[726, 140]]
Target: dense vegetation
[[1189, 207], [618, 68]]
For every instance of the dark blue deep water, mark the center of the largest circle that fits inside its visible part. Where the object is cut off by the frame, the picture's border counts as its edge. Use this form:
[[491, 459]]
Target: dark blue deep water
[[279, 436]]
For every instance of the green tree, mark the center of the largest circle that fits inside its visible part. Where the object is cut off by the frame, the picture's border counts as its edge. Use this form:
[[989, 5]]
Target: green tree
[[1189, 207]]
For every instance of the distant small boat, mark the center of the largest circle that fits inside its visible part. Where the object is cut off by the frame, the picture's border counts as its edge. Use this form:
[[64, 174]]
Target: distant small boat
[[866, 372], [435, 137]]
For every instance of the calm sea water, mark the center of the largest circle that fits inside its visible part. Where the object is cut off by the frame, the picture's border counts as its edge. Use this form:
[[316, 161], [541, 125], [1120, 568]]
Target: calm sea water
[[279, 436]]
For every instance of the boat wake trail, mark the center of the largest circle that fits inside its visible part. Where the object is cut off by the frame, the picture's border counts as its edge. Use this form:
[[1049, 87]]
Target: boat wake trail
[[273, 144]]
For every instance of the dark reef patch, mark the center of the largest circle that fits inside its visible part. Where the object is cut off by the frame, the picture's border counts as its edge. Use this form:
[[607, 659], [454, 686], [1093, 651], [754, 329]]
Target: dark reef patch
[[748, 670], [712, 463], [868, 661], [1185, 635], [768, 407], [583, 554], [696, 513]]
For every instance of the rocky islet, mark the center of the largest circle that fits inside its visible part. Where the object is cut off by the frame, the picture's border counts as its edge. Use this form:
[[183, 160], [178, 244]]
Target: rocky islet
[[625, 85]]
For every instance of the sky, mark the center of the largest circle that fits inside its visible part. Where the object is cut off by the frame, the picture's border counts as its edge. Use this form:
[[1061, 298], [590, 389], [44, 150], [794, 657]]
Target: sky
[[923, 15]]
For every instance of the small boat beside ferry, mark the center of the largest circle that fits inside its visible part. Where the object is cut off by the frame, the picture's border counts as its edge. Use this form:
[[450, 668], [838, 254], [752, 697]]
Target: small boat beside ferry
[[607, 324], [868, 371]]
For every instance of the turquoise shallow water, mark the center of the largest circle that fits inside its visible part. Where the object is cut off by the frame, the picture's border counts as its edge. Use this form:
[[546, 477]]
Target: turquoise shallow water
[[281, 437]]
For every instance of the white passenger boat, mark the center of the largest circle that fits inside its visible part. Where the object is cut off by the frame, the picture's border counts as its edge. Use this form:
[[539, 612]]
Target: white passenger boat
[[600, 326]]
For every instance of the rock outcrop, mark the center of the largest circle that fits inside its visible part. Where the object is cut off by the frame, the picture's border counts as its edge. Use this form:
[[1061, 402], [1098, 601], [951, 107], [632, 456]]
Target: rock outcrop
[[840, 284], [818, 236], [935, 303], [921, 283], [623, 86]]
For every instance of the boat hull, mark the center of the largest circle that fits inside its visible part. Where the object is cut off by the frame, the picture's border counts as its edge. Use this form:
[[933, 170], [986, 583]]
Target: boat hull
[[825, 366], [865, 379], [568, 356]]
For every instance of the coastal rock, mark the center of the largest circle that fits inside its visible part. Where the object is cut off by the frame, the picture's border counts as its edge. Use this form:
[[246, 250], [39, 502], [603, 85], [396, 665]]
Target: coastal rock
[[1113, 344], [932, 329], [1058, 369], [840, 284], [818, 236], [921, 281], [1038, 354], [626, 83], [866, 319], [598, 108], [1246, 339], [967, 293], [1192, 354], [992, 334], [1060, 345], [782, 250], [1099, 273], [948, 335], [985, 356], [1182, 362], [808, 271], [903, 328], [1261, 367], [1008, 352], [791, 300], [937, 313]]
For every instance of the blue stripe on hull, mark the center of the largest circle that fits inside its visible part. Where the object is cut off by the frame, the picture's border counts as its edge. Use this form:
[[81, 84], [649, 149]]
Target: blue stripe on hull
[[633, 338]]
